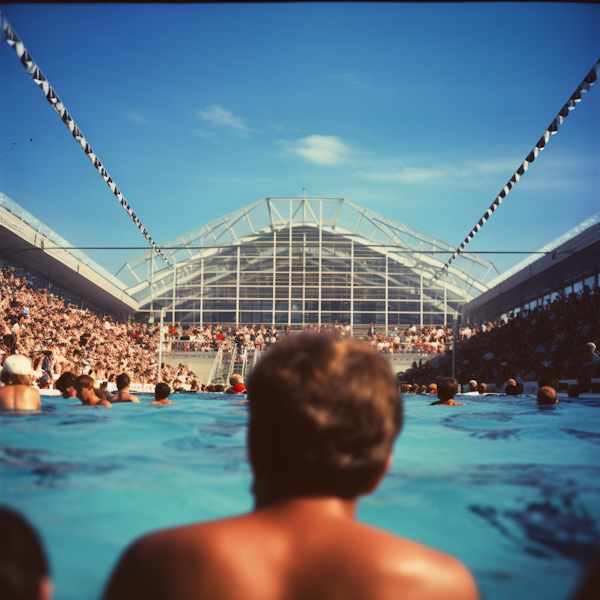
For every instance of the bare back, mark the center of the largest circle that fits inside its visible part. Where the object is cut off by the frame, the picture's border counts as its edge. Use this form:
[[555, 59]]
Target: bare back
[[19, 397], [301, 549]]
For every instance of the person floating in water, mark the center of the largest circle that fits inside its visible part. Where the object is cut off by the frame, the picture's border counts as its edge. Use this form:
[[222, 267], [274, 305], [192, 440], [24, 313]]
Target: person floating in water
[[547, 395], [17, 393], [323, 417], [447, 389], [161, 394], [123, 395], [86, 393]]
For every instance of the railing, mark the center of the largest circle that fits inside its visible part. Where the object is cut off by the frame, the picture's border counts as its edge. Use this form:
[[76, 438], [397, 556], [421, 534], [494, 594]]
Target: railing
[[216, 365]]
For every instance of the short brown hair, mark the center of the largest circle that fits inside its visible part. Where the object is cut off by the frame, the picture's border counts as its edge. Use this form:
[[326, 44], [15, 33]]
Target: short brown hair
[[447, 389], [84, 381], [324, 414], [547, 395]]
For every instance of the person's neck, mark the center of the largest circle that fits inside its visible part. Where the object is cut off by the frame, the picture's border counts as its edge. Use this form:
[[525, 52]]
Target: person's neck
[[268, 497]]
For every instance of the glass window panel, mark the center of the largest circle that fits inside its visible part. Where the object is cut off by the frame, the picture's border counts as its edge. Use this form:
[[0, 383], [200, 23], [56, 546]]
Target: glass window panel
[[409, 319], [282, 292], [311, 317], [392, 319], [458, 305], [368, 306], [369, 293], [403, 281], [297, 317], [336, 265], [311, 305], [369, 279], [256, 264], [340, 317], [370, 264], [403, 293], [365, 318], [578, 287], [256, 317], [311, 292], [452, 296], [256, 292], [281, 305], [219, 292], [396, 267], [297, 305], [220, 279], [335, 305], [297, 279], [589, 282], [435, 319], [256, 305], [430, 294], [281, 317], [329, 292], [432, 307], [256, 278], [210, 304], [283, 279], [311, 279], [335, 279], [296, 292], [218, 317]]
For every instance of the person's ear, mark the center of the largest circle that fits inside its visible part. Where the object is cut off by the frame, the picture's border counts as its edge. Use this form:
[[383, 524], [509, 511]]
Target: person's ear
[[386, 467], [46, 591]]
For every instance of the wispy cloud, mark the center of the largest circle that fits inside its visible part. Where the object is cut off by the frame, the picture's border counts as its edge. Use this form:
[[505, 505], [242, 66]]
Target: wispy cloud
[[207, 135], [136, 118], [320, 149], [217, 115]]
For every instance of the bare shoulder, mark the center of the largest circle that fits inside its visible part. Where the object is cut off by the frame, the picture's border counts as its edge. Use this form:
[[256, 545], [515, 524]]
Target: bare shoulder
[[418, 569]]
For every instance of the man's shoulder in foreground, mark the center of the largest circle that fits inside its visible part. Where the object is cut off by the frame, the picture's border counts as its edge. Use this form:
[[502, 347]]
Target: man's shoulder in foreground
[[265, 555]]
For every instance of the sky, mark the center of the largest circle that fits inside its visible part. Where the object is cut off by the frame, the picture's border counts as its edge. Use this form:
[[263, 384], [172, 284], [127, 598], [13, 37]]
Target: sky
[[420, 112]]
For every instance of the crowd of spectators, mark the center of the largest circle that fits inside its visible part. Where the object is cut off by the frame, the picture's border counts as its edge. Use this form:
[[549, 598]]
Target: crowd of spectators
[[59, 338], [555, 341]]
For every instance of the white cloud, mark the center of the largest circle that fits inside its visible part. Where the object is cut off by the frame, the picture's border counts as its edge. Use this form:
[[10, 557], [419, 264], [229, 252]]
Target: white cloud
[[217, 115], [321, 149], [407, 174], [136, 118], [207, 135]]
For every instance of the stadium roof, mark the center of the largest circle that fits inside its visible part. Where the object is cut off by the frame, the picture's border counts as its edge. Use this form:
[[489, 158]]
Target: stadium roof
[[27, 242], [408, 246]]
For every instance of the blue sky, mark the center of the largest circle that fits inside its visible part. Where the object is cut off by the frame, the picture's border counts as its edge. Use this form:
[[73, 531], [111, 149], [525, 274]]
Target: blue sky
[[421, 112]]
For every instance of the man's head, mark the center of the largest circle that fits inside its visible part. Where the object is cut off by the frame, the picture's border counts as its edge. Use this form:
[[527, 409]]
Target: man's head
[[161, 391], [235, 379], [123, 381], [66, 385], [24, 569], [590, 348], [573, 391], [447, 389], [324, 414], [482, 388], [16, 370], [84, 385], [511, 390], [547, 395], [472, 385], [511, 382]]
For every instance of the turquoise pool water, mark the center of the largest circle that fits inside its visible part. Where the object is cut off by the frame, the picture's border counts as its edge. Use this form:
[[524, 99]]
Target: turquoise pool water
[[511, 489]]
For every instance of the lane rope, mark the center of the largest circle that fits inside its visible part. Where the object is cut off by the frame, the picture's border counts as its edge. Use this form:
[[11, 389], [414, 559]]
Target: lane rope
[[552, 129], [8, 33]]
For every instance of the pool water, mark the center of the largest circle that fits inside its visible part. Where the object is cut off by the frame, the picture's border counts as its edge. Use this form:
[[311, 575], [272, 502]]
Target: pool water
[[510, 488]]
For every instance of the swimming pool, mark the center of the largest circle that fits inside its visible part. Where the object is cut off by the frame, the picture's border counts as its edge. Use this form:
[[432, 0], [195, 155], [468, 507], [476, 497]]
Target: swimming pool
[[511, 489]]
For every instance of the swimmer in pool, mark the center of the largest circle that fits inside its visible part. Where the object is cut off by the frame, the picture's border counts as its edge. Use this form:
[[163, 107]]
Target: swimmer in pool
[[447, 389], [323, 417], [123, 394], [86, 393], [17, 393], [161, 394], [547, 395]]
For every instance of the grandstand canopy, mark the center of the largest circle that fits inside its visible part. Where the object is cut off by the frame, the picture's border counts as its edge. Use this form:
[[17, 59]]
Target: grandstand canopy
[[25, 241], [306, 260]]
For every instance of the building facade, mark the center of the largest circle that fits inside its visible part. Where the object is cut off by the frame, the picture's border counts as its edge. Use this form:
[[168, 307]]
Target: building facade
[[291, 261]]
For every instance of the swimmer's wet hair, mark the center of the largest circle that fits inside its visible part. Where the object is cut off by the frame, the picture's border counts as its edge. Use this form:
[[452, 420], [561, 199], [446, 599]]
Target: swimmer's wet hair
[[324, 414]]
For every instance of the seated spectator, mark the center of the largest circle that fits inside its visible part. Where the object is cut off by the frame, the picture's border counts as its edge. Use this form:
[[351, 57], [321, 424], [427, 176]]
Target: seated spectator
[[547, 395], [511, 382], [65, 384], [86, 393], [17, 393], [511, 390], [123, 395], [550, 381], [573, 391], [24, 569], [482, 389], [472, 385], [520, 388], [446, 391], [324, 415], [432, 388], [161, 394]]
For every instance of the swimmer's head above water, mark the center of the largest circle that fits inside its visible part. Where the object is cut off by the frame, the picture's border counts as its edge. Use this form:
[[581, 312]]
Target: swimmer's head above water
[[324, 414]]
